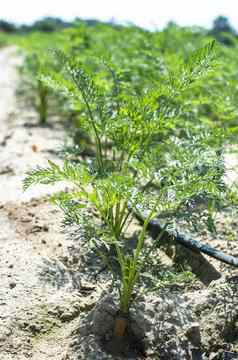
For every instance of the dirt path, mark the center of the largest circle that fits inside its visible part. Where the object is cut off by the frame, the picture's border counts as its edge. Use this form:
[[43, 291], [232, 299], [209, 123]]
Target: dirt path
[[34, 309], [8, 77], [19, 136]]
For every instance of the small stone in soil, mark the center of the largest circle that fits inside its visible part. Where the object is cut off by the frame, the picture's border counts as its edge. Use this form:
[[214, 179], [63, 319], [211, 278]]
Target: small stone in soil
[[12, 285], [26, 219], [6, 170], [35, 328]]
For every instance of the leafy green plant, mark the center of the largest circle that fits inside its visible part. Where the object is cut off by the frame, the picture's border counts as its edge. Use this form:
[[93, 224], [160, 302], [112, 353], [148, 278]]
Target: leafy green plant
[[31, 90], [146, 149], [3, 40], [36, 92]]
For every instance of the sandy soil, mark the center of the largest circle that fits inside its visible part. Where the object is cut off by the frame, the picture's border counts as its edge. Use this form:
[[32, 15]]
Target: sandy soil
[[32, 304]]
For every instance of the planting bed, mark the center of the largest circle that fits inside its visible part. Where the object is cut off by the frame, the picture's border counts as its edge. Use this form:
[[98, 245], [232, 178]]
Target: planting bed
[[52, 306]]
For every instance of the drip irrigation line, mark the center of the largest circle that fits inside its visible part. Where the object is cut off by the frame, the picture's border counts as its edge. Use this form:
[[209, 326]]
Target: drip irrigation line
[[155, 228]]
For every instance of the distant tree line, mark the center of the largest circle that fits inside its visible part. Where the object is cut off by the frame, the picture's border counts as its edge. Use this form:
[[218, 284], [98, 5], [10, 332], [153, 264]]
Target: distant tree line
[[47, 24], [222, 30]]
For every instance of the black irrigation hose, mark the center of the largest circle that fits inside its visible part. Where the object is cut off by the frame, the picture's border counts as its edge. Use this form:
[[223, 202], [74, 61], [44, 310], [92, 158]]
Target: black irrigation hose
[[155, 228]]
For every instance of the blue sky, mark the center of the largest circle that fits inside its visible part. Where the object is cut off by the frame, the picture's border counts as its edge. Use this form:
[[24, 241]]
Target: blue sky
[[147, 13]]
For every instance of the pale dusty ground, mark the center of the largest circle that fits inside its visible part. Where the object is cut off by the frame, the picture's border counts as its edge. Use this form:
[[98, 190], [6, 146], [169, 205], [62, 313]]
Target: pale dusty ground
[[31, 240], [41, 292], [17, 140]]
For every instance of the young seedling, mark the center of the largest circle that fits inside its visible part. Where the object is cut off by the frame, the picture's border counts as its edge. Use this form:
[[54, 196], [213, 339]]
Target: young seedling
[[36, 93]]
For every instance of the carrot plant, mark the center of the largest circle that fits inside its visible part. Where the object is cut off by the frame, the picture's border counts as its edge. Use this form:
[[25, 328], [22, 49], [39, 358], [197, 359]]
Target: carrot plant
[[145, 148], [35, 93], [31, 90]]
